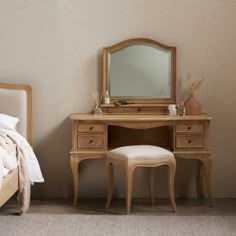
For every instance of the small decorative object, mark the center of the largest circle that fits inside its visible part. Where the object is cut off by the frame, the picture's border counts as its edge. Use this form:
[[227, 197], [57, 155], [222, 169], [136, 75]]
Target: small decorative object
[[181, 109], [107, 98], [192, 106], [172, 110], [97, 109]]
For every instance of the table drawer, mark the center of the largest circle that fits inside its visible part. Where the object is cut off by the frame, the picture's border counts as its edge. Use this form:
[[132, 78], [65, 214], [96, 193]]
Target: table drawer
[[91, 128], [189, 141], [138, 110], [89, 141], [190, 128]]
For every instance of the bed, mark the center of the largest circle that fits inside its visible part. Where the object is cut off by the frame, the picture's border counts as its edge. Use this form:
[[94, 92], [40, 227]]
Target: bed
[[16, 101]]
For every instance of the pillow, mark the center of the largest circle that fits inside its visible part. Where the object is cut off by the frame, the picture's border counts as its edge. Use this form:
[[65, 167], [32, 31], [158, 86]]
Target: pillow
[[8, 122]]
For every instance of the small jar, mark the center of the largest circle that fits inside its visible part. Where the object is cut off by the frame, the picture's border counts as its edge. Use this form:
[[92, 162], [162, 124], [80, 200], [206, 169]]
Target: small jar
[[172, 110], [181, 109], [97, 110]]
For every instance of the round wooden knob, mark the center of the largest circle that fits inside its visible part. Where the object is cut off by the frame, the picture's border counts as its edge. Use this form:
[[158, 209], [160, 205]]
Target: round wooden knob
[[189, 127], [189, 141], [90, 141], [91, 128]]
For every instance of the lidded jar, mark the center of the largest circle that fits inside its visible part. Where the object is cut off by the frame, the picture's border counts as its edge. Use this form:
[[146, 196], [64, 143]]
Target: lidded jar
[[172, 110]]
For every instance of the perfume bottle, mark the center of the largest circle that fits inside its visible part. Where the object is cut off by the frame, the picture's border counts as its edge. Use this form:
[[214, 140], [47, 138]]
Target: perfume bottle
[[107, 98]]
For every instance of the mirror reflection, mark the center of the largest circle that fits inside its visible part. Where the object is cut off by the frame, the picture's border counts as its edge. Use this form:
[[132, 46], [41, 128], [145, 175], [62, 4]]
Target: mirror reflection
[[141, 71]]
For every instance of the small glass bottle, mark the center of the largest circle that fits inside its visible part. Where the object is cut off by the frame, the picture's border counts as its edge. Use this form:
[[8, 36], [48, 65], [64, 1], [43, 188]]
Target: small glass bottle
[[97, 110], [107, 98], [181, 109]]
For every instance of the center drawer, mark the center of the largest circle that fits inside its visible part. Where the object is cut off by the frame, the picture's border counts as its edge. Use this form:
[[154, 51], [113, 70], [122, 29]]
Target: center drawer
[[137, 110]]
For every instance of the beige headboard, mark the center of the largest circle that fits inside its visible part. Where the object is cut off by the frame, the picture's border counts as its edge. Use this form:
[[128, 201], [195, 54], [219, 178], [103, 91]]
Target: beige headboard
[[16, 100]]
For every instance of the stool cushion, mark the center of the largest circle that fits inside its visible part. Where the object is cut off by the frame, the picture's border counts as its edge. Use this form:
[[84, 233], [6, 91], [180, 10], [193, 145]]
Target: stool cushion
[[139, 152]]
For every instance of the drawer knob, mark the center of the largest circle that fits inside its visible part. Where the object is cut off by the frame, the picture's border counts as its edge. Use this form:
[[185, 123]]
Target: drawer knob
[[189, 127], [91, 141], [91, 128], [139, 109], [189, 141]]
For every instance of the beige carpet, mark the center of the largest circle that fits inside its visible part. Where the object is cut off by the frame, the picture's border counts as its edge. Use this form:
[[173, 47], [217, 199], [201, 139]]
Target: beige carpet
[[60, 217], [39, 224]]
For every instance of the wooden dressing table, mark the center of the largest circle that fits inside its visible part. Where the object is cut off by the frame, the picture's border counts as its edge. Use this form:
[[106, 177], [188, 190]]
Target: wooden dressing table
[[141, 72], [187, 137]]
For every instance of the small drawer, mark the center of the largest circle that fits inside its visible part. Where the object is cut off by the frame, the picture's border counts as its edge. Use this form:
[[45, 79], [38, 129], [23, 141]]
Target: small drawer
[[189, 141], [91, 128], [85, 141], [138, 110], [191, 128]]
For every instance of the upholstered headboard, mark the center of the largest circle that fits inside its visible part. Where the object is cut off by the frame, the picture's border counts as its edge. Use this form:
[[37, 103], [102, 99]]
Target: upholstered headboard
[[16, 100]]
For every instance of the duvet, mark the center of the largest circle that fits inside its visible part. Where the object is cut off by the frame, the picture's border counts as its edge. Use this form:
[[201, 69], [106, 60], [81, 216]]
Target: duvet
[[14, 151]]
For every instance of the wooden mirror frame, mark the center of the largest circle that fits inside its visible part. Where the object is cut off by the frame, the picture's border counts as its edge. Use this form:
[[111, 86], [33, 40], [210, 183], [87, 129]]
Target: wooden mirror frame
[[146, 101]]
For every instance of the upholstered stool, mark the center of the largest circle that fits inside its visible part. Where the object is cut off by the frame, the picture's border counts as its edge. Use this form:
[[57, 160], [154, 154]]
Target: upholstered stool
[[130, 157]]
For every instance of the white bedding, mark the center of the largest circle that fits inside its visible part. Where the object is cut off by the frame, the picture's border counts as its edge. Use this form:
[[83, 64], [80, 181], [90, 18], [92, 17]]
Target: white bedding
[[34, 171], [8, 160], [13, 145], [5, 171]]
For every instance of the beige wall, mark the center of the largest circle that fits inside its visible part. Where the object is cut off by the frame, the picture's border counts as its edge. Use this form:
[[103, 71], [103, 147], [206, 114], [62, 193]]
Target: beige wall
[[56, 47]]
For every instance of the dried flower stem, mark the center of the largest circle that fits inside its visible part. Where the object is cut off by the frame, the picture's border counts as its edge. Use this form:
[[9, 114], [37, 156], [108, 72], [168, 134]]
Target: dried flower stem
[[194, 86], [96, 98]]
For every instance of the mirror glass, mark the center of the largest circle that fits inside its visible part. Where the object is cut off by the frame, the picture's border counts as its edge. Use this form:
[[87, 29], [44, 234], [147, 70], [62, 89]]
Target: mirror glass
[[141, 71]]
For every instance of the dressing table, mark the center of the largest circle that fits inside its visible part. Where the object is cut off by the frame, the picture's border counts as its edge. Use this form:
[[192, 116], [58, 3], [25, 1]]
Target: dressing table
[[141, 72]]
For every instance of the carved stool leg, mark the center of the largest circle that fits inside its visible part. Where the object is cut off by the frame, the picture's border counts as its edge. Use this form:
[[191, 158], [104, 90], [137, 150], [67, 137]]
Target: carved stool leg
[[110, 177], [129, 182], [172, 169], [151, 183], [74, 162]]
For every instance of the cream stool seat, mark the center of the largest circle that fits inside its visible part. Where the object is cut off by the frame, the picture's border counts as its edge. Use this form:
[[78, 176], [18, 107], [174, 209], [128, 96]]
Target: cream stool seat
[[130, 157]]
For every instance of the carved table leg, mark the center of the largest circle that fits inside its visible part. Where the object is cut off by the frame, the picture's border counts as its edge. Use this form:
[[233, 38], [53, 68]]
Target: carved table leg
[[74, 162], [200, 180], [207, 162]]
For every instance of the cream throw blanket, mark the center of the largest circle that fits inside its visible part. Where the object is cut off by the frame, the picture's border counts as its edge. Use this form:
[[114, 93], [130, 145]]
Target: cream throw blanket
[[12, 155]]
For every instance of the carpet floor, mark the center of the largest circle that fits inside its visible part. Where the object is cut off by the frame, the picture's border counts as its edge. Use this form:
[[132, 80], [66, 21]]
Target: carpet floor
[[58, 217]]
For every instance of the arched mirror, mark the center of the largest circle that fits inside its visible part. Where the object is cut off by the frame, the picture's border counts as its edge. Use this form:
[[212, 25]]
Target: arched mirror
[[140, 71]]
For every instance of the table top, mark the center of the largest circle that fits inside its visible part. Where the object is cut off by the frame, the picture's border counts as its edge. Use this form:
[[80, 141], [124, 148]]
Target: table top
[[136, 117]]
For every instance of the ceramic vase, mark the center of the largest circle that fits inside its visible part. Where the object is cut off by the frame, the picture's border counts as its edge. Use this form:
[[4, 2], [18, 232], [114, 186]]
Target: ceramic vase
[[192, 106]]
